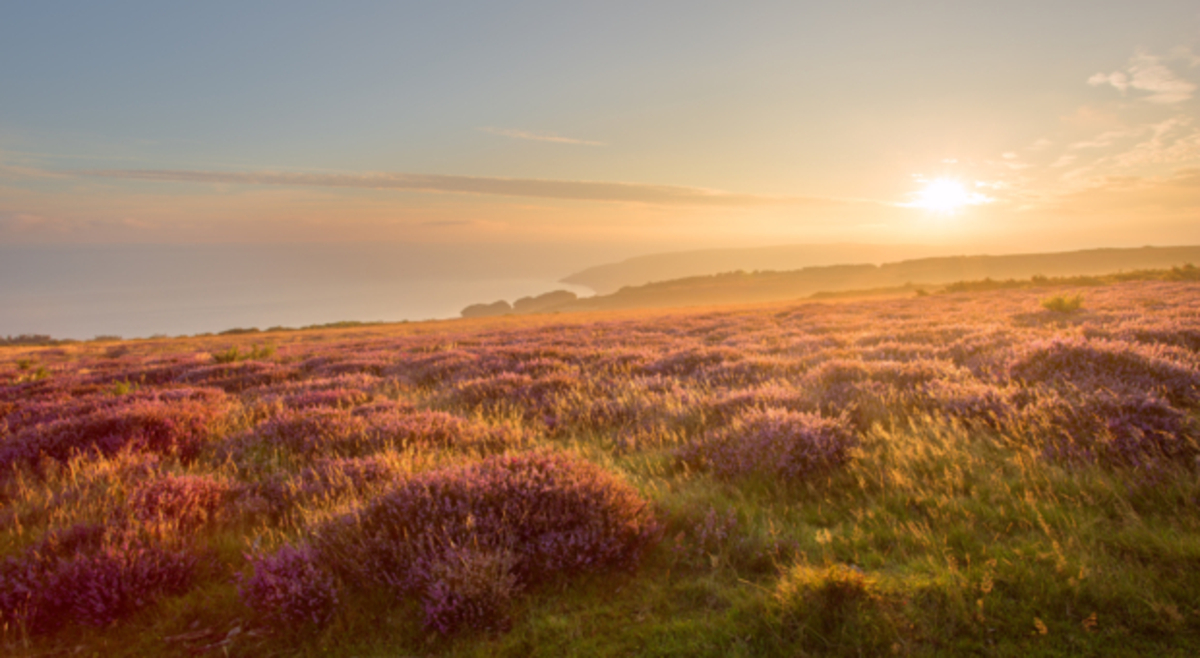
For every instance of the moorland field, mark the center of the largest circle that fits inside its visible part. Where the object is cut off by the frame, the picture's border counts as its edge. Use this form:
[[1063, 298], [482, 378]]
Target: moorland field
[[995, 472]]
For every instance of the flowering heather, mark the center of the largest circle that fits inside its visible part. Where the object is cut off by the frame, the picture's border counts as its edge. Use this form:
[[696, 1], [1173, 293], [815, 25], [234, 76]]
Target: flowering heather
[[1178, 335], [470, 588], [323, 431], [177, 427], [696, 361], [89, 574], [554, 514], [787, 444], [969, 433], [59, 404], [289, 588], [189, 501], [1105, 364], [1141, 431], [310, 432], [434, 368], [119, 580], [343, 391], [327, 478], [368, 364], [239, 376]]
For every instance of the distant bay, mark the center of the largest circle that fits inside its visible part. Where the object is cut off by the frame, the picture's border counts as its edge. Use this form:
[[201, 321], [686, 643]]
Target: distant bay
[[83, 291]]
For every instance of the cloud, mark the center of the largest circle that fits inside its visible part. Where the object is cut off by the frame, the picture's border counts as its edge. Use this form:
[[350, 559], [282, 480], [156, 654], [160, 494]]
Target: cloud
[[1102, 140], [18, 171], [1147, 73], [447, 223], [540, 137], [667, 195]]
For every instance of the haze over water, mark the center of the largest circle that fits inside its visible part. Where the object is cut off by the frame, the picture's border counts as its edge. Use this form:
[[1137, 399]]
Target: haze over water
[[80, 292]]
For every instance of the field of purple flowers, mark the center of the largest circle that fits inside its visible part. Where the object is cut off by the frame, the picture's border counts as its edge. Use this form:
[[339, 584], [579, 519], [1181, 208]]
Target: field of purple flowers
[[952, 472]]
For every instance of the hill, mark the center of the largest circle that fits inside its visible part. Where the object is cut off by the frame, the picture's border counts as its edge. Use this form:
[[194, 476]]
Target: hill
[[610, 277], [767, 286]]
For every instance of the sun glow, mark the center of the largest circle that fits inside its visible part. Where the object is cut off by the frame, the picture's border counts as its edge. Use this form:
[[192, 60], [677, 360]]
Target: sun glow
[[946, 195]]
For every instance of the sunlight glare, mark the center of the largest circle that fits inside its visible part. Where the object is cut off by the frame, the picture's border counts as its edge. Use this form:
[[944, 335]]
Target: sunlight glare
[[946, 195]]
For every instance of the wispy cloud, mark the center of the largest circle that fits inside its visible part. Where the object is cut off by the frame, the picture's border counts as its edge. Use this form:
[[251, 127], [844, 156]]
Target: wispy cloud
[[540, 137], [447, 223], [21, 171], [1146, 72], [670, 195]]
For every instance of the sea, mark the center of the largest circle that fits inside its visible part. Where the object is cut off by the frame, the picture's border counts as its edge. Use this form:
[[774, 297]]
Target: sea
[[136, 291]]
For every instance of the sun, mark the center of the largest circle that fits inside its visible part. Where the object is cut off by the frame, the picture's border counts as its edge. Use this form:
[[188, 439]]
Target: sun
[[946, 196]]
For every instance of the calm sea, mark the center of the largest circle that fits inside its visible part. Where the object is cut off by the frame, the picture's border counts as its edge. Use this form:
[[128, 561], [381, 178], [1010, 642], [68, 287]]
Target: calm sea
[[142, 290]]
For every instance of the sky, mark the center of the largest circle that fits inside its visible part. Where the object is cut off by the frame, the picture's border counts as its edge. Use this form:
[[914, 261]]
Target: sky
[[620, 126]]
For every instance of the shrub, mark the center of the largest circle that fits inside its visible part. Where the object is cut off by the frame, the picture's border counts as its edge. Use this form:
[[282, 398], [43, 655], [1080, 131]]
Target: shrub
[[1113, 365], [836, 608], [547, 513], [119, 580], [314, 431], [178, 427], [324, 431], [188, 500], [868, 391], [1133, 430], [470, 588], [89, 574], [788, 444], [1063, 303], [290, 588]]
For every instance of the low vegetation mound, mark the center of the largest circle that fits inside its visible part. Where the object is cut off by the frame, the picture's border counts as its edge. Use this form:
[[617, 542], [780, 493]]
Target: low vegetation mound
[[465, 539], [776, 442]]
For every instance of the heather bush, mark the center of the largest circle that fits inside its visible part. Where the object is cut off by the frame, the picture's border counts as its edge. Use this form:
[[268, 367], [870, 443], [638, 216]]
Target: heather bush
[[437, 429], [290, 588], [866, 392], [309, 432], [189, 501], [787, 444], [1140, 431], [434, 368], [470, 588], [167, 427], [120, 579], [732, 403], [239, 376], [543, 398], [1104, 364], [969, 401], [90, 574], [693, 362], [1173, 334], [552, 513], [34, 410]]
